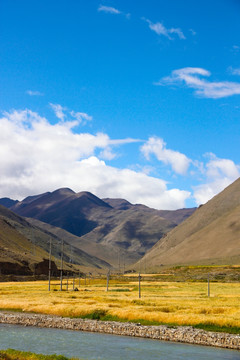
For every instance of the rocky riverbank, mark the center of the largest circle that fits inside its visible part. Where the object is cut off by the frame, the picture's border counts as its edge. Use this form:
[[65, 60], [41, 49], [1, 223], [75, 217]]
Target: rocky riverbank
[[185, 334]]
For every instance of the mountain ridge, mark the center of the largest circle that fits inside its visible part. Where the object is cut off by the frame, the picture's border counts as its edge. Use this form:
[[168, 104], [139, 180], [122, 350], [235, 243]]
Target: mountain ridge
[[106, 228]]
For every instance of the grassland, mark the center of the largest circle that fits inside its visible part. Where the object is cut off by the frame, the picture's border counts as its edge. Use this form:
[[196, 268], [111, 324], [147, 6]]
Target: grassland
[[173, 303]]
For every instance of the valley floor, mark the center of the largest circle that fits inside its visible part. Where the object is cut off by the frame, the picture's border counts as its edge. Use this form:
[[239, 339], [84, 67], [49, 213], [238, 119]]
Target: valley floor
[[172, 303]]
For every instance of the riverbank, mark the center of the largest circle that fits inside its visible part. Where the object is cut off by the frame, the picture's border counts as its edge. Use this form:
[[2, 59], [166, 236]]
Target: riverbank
[[184, 334], [12, 354]]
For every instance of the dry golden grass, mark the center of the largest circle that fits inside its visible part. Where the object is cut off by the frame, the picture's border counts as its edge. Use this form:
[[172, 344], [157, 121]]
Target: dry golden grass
[[164, 302]]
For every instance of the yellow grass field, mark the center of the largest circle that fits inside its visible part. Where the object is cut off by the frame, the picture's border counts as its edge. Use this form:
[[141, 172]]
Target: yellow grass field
[[180, 303]]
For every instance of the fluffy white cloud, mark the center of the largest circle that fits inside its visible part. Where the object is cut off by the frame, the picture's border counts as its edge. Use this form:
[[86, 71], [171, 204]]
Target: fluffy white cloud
[[219, 174], [192, 78], [160, 29], [137, 187], [179, 162], [36, 156]]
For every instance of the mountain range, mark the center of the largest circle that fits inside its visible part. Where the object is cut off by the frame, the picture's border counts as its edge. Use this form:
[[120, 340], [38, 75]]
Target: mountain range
[[113, 232]]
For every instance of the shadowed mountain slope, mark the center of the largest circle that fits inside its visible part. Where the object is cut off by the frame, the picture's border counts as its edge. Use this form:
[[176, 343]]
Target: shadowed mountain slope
[[211, 235], [111, 229], [23, 247]]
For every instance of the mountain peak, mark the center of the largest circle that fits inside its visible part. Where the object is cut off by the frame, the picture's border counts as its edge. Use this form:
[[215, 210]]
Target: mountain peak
[[64, 191]]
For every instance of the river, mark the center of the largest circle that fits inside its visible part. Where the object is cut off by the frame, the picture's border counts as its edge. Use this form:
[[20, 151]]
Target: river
[[94, 346]]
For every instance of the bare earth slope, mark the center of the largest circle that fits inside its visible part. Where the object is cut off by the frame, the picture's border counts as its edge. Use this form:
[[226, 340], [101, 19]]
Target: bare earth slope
[[211, 235]]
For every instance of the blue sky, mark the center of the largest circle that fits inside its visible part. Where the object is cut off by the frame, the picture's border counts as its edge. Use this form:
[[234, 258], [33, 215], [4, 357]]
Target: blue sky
[[132, 99]]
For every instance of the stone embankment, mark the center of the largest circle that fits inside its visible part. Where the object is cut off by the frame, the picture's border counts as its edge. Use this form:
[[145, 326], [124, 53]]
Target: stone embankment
[[185, 334]]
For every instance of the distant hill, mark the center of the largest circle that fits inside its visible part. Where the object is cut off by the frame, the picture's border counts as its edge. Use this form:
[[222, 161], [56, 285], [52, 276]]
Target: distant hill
[[113, 230], [211, 235], [24, 248], [8, 202]]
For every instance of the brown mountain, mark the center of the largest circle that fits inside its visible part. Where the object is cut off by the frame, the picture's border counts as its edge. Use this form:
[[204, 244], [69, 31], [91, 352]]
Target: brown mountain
[[211, 235], [24, 248], [111, 229]]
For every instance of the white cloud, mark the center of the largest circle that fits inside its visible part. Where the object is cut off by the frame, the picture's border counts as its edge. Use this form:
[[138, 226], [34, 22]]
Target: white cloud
[[136, 187], [36, 156], [109, 9], [124, 141], [219, 174], [192, 32], [177, 31], [192, 78], [235, 71], [107, 154], [81, 117], [112, 10], [179, 162], [160, 29], [58, 110], [34, 93]]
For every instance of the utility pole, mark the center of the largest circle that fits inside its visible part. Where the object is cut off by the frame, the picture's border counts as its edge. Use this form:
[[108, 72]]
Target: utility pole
[[73, 281], [119, 270], [67, 282], [79, 283], [34, 252], [50, 263], [108, 274], [139, 285], [61, 273], [208, 285]]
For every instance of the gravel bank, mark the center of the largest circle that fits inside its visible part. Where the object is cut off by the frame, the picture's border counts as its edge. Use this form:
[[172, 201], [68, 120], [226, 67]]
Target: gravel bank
[[185, 334]]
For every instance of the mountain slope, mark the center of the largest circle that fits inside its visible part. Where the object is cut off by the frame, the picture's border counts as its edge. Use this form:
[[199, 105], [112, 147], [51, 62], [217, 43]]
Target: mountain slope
[[210, 235], [62, 208], [17, 253], [23, 247]]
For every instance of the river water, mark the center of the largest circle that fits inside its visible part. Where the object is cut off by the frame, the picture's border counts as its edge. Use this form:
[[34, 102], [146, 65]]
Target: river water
[[94, 346]]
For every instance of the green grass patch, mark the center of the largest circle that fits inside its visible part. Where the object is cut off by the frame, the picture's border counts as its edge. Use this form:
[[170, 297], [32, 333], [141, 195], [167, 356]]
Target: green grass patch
[[98, 314], [11, 354], [215, 328], [12, 309], [120, 290]]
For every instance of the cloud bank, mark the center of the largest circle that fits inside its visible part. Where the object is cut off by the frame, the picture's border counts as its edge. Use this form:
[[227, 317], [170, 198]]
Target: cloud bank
[[37, 156]]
